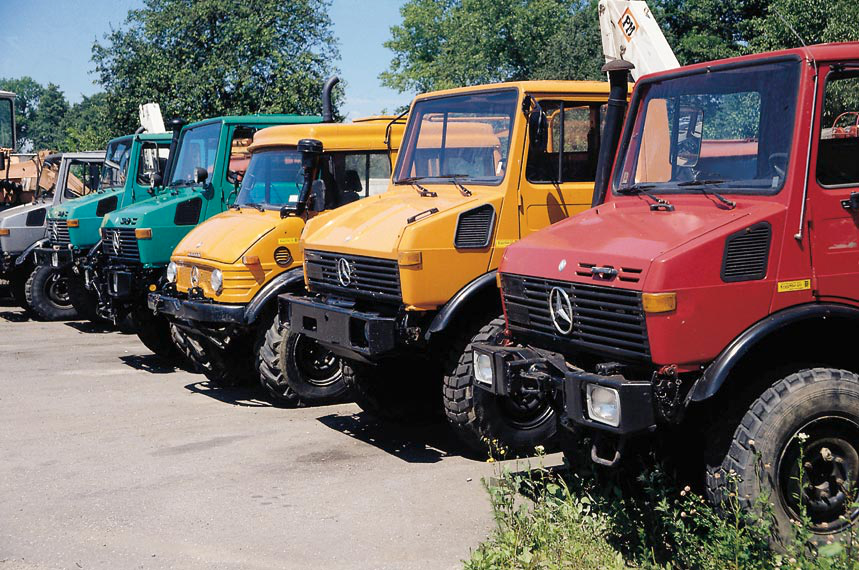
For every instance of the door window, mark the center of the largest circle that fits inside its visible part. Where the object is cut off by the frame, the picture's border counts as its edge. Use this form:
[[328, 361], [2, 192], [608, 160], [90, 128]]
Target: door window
[[572, 149], [82, 179], [355, 175], [838, 151]]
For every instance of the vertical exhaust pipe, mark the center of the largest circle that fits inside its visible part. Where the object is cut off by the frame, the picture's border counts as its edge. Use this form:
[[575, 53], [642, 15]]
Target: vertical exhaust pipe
[[618, 74], [327, 105], [175, 125]]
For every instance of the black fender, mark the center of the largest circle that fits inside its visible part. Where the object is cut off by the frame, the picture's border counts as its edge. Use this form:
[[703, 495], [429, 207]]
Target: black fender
[[718, 371], [22, 259], [461, 301], [289, 279]]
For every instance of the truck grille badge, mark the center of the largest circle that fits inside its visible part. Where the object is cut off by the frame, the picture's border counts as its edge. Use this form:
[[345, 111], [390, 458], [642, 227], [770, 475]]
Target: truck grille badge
[[344, 271], [561, 310]]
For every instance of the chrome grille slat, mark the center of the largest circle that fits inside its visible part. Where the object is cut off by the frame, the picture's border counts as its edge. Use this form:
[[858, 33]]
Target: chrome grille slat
[[128, 248], [58, 231], [371, 277]]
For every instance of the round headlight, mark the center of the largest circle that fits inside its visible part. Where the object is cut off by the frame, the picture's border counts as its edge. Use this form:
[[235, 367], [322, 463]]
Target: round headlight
[[172, 269], [217, 281]]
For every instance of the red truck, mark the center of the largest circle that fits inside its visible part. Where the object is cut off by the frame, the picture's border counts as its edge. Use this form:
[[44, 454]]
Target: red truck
[[714, 288]]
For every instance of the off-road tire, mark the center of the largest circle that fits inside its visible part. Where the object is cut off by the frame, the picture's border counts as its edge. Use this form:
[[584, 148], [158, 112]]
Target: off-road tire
[[222, 368], [403, 391], [312, 371], [819, 402], [47, 296], [154, 332], [269, 358], [83, 300], [484, 421]]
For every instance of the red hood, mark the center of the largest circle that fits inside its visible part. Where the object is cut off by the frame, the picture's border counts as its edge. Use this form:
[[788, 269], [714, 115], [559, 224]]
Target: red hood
[[623, 234]]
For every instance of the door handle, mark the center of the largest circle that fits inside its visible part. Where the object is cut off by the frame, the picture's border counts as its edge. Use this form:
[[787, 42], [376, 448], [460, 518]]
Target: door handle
[[852, 203]]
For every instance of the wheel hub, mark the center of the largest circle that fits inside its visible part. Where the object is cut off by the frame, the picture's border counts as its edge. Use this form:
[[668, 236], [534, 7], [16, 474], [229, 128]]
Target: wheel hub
[[319, 365], [526, 407], [58, 290]]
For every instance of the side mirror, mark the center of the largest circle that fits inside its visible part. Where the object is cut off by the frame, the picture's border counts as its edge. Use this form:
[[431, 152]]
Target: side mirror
[[234, 178], [200, 174], [155, 179], [317, 193], [690, 132], [538, 129]]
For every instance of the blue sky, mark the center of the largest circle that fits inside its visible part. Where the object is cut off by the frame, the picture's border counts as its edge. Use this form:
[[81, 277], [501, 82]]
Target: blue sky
[[50, 41]]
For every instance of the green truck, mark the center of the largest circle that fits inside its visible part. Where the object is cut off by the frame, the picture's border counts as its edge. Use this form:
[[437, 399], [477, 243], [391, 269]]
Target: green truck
[[207, 165], [131, 169]]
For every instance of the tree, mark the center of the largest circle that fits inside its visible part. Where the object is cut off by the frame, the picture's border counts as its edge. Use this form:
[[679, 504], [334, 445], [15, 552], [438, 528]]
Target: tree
[[816, 21], [27, 91], [87, 125], [45, 129], [202, 58]]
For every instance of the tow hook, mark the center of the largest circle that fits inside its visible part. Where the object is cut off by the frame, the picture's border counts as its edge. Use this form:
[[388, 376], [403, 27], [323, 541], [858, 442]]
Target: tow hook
[[666, 392], [606, 452]]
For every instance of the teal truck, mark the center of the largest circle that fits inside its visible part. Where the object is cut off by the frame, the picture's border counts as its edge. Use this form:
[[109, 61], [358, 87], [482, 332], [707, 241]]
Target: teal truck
[[133, 164], [207, 165]]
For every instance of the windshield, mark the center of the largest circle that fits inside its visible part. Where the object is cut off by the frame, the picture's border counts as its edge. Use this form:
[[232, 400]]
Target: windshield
[[197, 148], [6, 138], [466, 135], [273, 178], [115, 167], [729, 129]]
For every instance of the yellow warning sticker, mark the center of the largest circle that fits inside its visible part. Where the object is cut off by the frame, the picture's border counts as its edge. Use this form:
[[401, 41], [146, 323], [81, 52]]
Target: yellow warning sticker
[[798, 285], [504, 242], [286, 241]]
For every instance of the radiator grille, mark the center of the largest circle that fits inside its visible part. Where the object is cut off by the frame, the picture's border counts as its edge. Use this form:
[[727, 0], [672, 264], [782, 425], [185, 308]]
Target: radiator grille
[[353, 275], [747, 254], [58, 231], [604, 319], [474, 228], [127, 251]]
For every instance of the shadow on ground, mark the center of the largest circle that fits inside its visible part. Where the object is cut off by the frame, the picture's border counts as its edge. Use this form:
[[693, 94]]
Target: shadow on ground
[[149, 363], [91, 327], [425, 443], [245, 396], [20, 316]]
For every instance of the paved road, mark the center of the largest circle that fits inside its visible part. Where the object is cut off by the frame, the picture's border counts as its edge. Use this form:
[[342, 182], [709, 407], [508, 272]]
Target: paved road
[[110, 460]]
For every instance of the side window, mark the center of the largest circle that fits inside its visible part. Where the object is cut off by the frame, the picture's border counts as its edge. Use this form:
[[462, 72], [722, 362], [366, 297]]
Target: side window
[[837, 153], [573, 146], [153, 158], [82, 179], [240, 157], [358, 175]]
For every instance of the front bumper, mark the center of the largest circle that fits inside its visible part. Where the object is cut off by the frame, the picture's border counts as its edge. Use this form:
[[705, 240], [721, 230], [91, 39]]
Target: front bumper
[[511, 367], [54, 257], [342, 329], [199, 310]]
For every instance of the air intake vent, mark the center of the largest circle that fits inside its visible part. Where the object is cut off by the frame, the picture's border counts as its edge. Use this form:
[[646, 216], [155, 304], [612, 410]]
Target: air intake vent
[[474, 228], [105, 206], [747, 253], [188, 212], [282, 256]]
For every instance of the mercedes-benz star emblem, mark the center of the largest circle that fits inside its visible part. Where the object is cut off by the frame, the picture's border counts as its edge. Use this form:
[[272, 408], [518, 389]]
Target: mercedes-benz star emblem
[[195, 276], [561, 310], [55, 233], [116, 242], [344, 271]]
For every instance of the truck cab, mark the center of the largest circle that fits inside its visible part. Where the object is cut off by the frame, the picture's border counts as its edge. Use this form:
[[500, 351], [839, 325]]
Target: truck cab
[[225, 275], [23, 228], [715, 290], [403, 281], [127, 176], [207, 166]]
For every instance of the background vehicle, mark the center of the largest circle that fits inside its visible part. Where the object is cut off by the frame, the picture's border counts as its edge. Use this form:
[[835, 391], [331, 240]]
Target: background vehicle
[[209, 161], [23, 228], [402, 281], [243, 258], [715, 290], [127, 176]]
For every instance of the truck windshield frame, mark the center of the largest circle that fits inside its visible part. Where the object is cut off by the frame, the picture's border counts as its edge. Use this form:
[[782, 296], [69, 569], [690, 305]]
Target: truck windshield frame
[[466, 135], [7, 123], [274, 184], [193, 144], [118, 154], [727, 128]]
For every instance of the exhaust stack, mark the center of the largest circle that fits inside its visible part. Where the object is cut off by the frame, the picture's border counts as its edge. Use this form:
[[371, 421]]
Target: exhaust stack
[[327, 106], [618, 72]]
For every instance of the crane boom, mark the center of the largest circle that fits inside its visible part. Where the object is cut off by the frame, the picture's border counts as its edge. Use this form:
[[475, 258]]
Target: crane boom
[[630, 32]]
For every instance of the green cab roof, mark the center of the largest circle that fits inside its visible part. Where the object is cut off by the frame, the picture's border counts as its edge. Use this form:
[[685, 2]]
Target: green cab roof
[[259, 119]]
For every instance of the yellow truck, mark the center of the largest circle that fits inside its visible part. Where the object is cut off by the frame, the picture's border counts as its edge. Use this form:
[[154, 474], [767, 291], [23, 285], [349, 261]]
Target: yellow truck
[[225, 275], [401, 283]]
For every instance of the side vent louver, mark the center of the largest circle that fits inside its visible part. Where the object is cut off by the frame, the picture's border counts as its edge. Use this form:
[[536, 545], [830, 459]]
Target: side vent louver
[[105, 206], [188, 212], [474, 228], [747, 254]]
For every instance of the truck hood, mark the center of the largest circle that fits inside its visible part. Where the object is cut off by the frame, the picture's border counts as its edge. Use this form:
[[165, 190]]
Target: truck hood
[[625, 235], [13, 215], [83, 207], [374, 226], [228, 235]]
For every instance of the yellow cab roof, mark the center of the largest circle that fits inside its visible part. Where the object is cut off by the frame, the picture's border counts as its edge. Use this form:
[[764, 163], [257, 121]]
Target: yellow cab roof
[[538, 86], [367, 133]]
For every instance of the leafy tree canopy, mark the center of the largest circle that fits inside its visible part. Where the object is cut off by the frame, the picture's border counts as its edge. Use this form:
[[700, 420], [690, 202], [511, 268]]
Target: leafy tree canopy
[[203, 58]]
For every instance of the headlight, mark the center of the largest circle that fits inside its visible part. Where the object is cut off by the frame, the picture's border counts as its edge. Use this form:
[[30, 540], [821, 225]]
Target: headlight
[[603, 404], [482, 367], [217, 281], [172, 270]]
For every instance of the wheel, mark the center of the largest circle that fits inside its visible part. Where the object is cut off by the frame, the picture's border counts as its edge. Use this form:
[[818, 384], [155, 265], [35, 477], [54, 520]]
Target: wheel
[[47, 292], [154, 332], [518, 423], [403, 391], [83, 300], [219, 366], [810, 417], [269, 367], [311, 370]]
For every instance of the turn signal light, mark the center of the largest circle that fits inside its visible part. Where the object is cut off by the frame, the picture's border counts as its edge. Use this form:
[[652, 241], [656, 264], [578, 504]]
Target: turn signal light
[[143, 233], [659, 302], [4, 232], [73, 223], [409, 258], [250, 259]]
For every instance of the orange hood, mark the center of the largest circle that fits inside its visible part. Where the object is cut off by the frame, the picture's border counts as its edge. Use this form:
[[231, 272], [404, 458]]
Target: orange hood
[[226, 237]]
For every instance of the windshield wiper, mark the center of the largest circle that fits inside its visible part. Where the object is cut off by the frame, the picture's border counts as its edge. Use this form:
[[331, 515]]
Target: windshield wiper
[[413, 182], [644, 190], [455, 179], [702, 186], [257, 206]]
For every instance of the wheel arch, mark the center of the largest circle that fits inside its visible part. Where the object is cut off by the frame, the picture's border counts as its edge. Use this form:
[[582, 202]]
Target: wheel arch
[[464, 299], [288, 280], [23, 258], [792, 327]]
